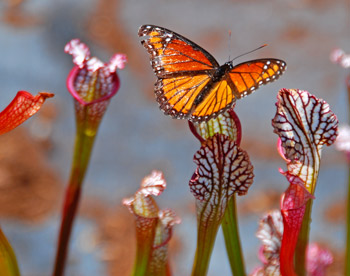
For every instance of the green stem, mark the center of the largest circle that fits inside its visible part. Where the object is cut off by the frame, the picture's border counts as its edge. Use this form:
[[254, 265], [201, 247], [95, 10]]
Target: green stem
[[8, 261], [233, 246], [347, 252], [206, 234], [303, 241], [145, 241], [203, 251], [82, 152]]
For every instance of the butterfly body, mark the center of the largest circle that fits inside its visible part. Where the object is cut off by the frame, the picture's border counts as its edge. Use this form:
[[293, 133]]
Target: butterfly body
[[221, 71], [216, 75], [190, 82]]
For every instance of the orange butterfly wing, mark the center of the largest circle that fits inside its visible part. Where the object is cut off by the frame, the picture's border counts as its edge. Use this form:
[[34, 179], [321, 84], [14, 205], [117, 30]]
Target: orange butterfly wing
[[181, 66], [248, 76], [172, 53], [242, 80], [177, 95], [219, 99]]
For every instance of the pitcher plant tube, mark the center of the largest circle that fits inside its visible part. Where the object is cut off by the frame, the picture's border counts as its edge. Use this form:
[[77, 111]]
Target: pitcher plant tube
[[153, 227], [304, 124], [22, 107], [223, 170], [92, 84], [270, 233]]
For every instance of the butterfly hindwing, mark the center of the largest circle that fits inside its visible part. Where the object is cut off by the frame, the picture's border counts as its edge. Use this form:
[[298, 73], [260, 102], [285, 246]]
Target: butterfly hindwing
[[173, 54], [242, 80], [176, 95], [219, 99]]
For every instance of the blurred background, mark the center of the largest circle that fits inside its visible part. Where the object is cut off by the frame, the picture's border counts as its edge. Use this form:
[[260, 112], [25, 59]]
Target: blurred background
[[135, 137]]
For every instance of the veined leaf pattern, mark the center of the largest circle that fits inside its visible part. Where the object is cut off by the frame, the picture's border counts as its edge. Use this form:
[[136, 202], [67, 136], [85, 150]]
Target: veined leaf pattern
[[226, 123], [223, 169], [304, 124]]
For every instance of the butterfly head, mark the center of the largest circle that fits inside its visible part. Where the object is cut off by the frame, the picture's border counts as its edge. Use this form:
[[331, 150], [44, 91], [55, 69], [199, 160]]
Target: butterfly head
[[229, 64]]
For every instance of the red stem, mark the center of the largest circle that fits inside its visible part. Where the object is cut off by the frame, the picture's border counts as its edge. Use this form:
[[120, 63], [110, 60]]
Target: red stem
[[82, 153], [70, 207]]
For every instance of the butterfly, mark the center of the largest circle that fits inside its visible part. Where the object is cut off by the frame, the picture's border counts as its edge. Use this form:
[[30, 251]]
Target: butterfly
[[190, 82]]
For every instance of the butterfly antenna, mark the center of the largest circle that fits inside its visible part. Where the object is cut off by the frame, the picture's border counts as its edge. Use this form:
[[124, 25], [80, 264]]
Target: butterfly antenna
[[229, 44], [262, 46]]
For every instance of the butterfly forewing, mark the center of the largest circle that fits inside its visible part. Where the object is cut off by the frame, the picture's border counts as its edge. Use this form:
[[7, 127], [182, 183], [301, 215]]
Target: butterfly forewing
[[172, 53], [248, 76]]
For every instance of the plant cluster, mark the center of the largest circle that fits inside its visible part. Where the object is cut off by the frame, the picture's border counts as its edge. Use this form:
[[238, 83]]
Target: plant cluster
[[303, 123]]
